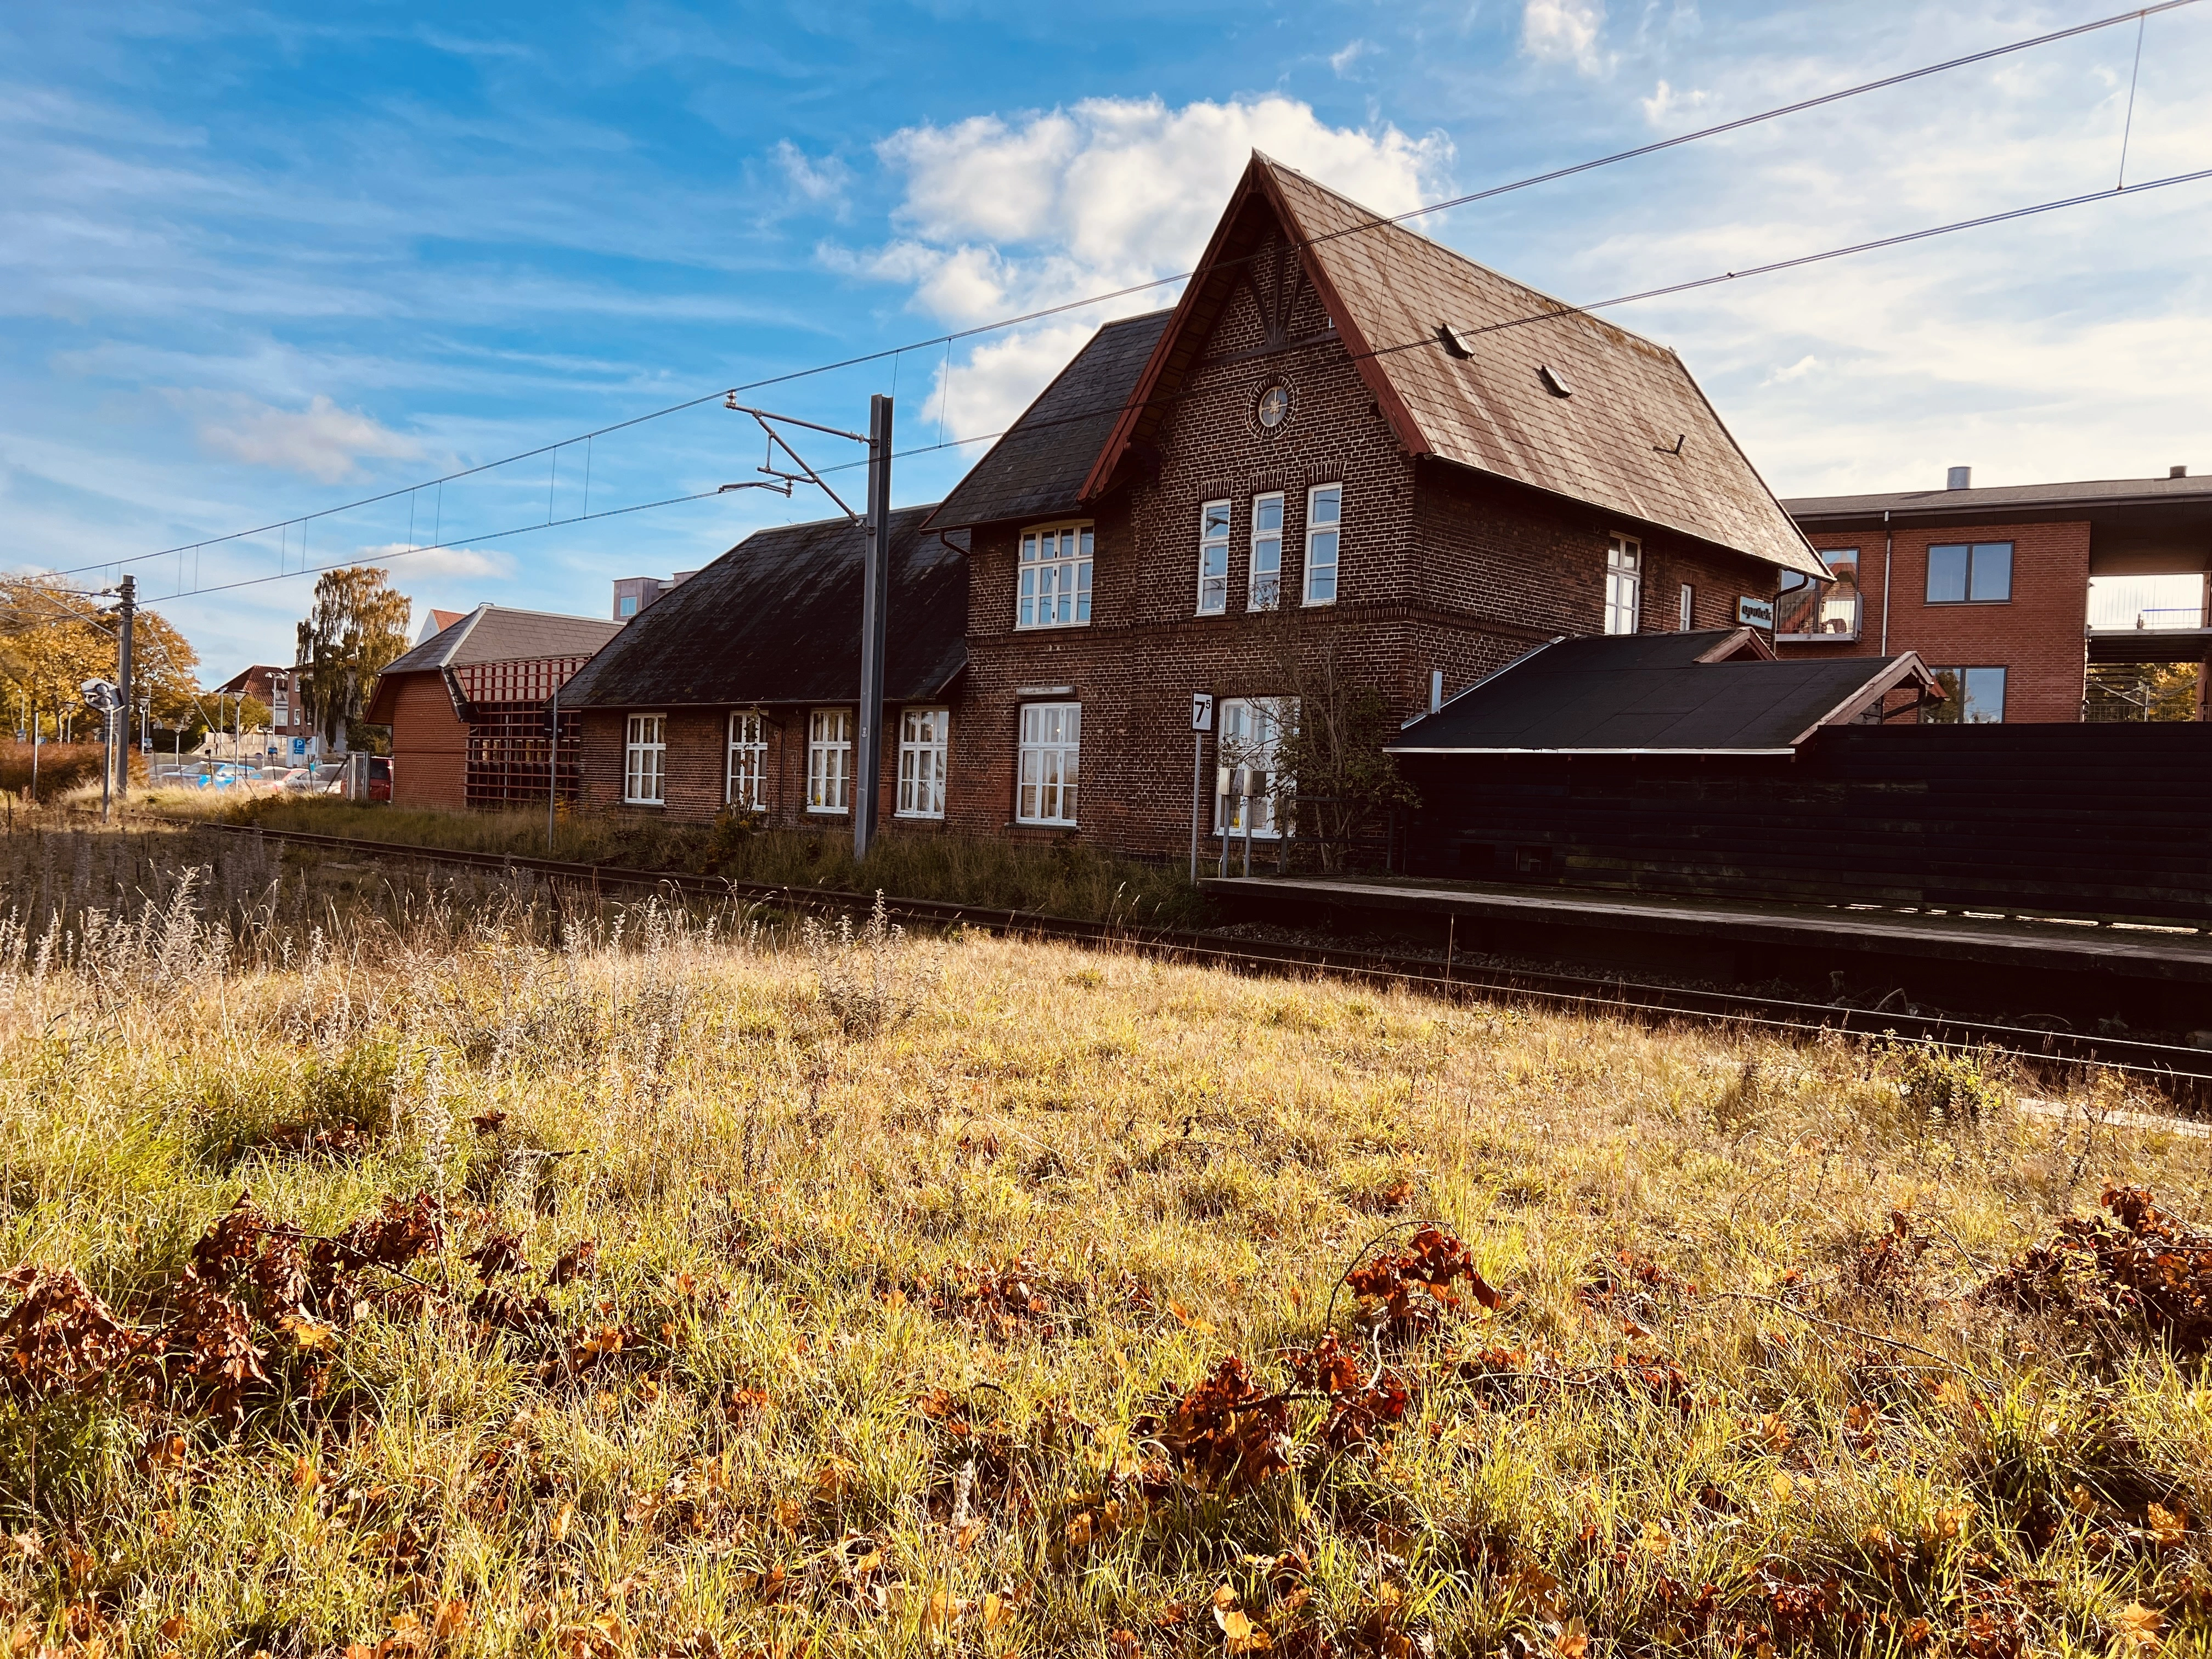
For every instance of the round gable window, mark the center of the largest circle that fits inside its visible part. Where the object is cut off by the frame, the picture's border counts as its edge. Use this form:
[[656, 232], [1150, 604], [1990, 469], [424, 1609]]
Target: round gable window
[[1274, 407]]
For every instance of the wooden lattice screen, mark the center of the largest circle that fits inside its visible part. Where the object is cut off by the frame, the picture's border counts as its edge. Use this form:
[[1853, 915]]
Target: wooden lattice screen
[[507, 759]]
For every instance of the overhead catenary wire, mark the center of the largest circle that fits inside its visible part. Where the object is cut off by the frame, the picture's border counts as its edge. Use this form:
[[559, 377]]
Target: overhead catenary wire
[[948, 339], [1558, 313]]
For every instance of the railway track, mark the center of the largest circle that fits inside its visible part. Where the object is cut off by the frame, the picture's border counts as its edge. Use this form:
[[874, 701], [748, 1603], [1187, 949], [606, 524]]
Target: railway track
[[2186, 1071]]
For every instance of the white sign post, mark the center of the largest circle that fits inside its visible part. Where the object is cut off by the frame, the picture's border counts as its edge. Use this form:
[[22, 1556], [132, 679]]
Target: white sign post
[[1201, 722]]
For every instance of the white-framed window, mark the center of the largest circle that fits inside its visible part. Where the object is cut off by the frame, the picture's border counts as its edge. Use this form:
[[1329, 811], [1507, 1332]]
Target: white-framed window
[[829, 760], [1267, 582], [1055, 577], [1624, 583], [745, 781], [1214, 558], [1249, 730], [645, 760], [1324, 523], [1051, 752], [922, 732], [628, 606], [1686, 614]]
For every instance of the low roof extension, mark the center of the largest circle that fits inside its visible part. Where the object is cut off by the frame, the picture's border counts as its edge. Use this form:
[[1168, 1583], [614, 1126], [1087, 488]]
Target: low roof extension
[[1715, 692], [777, 620]]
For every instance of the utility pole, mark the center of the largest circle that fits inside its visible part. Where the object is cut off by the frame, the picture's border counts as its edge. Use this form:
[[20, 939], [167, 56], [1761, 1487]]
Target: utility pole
[[875, 594], [126, 609]]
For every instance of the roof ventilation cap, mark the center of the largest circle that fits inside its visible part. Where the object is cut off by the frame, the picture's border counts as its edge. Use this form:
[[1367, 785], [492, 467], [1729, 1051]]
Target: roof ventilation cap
[[2177, 472], [1455, 344], [1554, 382], [1961, 478]]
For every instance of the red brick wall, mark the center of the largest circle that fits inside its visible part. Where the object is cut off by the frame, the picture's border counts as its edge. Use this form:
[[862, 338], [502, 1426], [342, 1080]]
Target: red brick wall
[[2035, 636], [429, 745]]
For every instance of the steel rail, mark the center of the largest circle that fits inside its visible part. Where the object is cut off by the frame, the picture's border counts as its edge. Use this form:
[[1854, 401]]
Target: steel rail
[[2164, 1063]]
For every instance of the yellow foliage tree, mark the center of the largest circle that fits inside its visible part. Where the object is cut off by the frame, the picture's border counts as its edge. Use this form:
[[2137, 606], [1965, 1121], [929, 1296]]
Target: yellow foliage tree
[[53, 638]]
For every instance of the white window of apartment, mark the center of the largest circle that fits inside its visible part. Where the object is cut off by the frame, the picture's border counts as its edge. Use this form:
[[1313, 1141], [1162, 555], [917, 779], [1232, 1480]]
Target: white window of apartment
[[645, 760], [1267, 583], [1687, 615], [1971, 697], [1055, 577], [1624, 583], [922, 732], [747, 769], [830, 761], [628, 605], [1214, 558], [1051, 749], [1251, 728], [1324, 522]]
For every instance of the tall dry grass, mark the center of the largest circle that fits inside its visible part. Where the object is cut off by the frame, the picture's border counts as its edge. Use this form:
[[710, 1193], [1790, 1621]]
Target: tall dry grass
[[903, 1252]]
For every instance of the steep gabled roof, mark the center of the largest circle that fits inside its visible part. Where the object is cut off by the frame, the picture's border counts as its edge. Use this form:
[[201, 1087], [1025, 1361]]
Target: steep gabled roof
[[1039, 467], [1603, 431], [777, 619], [1657, 694]]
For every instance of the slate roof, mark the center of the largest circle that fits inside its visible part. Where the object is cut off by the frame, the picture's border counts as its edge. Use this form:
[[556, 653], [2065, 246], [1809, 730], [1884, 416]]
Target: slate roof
[[777, 619], [1655, 693], [1610, 442], [2009, 498], [493, 632], [1038, 467]]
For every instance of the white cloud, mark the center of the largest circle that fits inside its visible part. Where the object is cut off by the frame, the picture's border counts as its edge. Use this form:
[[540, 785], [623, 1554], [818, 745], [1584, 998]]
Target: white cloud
[[1003, 215], [822, 183], [1345, 57], [1665, 100], [1564, 32], [323, 442], [1796, 371], [412, 564]]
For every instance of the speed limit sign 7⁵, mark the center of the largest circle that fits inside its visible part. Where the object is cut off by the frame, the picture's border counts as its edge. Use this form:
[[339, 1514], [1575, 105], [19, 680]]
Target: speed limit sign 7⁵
[[1201, 711]]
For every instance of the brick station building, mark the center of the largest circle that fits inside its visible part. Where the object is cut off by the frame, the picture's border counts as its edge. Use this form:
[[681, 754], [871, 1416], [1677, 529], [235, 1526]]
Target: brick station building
[[1347, 454]]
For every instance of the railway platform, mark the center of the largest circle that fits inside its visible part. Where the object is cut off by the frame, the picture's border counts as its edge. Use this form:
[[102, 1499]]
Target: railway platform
[[2080, 970]]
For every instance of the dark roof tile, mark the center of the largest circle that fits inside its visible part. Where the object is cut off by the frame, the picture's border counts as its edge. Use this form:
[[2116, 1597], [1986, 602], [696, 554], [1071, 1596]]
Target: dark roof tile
[[1652, 692], [777, 619]]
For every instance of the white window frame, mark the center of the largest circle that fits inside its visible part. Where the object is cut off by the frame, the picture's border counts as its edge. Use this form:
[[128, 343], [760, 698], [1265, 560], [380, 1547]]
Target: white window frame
[[1263, 579], [1247, 732], [1686, 615], [1053, 566], [645, 761], [1324, 536], [1624, 585], [922, 733], [1049, 760], [830, 762], [626, 607], [1214, 522], [745, 775]]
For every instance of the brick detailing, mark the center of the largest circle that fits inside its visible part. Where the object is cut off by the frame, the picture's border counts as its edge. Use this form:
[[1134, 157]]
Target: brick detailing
[[2036, 636]]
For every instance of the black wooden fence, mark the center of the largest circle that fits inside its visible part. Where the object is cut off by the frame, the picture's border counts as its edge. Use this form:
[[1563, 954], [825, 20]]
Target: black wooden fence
[[2112, 822]]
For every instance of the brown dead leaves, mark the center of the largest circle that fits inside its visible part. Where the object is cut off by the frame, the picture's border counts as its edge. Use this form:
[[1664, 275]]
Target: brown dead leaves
[[1227, 1433], [1404, 1295], [2152, 1271]]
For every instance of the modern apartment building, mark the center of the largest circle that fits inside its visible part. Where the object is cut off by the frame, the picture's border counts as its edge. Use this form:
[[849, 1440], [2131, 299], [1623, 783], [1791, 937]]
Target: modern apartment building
[[2031, 601]]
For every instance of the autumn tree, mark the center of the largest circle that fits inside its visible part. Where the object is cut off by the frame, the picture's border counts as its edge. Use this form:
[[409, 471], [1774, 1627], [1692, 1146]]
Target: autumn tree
[[53, 638], [356, 624]]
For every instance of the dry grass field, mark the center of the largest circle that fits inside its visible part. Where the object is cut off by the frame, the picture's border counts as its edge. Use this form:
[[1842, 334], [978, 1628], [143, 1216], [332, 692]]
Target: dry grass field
[[401, 1269]]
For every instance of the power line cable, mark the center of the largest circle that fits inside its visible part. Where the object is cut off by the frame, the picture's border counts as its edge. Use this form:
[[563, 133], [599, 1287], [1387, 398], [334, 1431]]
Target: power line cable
[[1561, 312], [948, 339]]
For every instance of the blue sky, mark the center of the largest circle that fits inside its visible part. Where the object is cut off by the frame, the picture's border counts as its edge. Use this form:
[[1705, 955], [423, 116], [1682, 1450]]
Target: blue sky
[[259, 261]]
